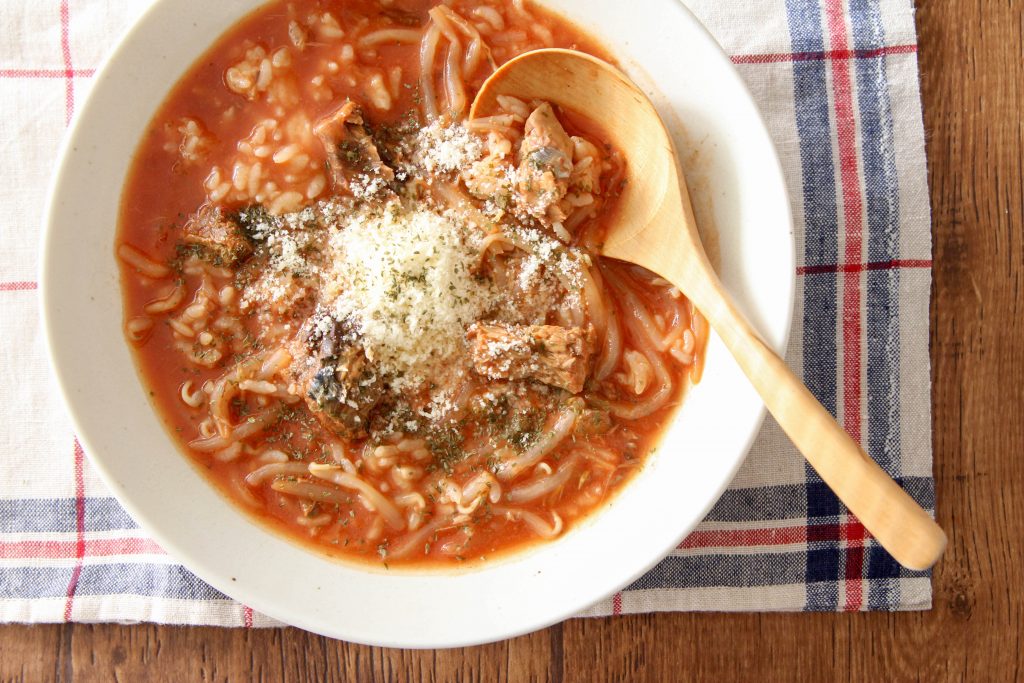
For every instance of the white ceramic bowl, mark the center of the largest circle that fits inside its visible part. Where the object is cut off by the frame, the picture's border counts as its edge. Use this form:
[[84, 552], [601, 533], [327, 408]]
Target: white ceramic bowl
[[738, 188]]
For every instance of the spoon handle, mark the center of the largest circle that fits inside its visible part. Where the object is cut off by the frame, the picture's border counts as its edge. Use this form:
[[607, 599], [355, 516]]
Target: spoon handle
[[899, 524]]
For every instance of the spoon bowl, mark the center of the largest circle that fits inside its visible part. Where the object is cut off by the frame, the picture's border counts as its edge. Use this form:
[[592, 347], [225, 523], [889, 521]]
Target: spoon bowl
[[653, 226]]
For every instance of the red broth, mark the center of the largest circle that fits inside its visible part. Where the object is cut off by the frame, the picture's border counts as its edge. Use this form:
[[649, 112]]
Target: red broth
[[239, 130]]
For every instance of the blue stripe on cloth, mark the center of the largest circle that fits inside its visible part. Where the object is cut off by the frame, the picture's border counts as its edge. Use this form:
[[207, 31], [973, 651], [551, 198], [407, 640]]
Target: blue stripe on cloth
[[760, 503], [55, 515], [881, 190], [156, 580], [821, 247], [762, 569], [881, 187], [754, 504], [797, 501], [152, 580], [921, 489], [22, 583]]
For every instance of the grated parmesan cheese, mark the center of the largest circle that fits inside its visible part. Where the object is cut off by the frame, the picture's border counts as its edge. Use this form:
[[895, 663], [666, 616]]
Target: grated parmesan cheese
[[550, 253], [405, 277], [284, 240], [443, 148], [365, 186]]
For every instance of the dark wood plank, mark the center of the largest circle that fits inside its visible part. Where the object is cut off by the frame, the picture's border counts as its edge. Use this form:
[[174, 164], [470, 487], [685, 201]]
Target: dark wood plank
[[971, 75], [35, 653], [111, 652], [971, 65]]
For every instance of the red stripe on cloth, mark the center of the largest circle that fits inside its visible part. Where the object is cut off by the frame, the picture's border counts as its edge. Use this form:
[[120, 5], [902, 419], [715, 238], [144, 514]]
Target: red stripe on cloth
[[617, 603], [836, 532], [79, 465], [861, 267], [247, 616], [46, 73], [739, 538], [828, 55], [853, 215], [18, 286], [853, 222], [69, 70], [104, 547], [854, 534], [743, 538]]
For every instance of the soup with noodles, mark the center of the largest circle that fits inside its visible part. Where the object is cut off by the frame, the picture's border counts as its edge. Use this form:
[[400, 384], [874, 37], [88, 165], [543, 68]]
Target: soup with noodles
[[378, 326]]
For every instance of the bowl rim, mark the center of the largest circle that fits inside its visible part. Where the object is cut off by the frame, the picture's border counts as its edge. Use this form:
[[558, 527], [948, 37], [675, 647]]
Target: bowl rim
[[47, 288]]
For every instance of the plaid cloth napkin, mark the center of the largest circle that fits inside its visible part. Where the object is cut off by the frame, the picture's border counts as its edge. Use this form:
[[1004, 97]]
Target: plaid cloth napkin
[[837, 83]]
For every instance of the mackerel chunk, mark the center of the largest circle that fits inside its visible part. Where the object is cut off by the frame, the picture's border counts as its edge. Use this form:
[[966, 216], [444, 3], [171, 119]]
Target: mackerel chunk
[[545, 166], [352, 155], [340, 385], [554, 355], [220, 235]]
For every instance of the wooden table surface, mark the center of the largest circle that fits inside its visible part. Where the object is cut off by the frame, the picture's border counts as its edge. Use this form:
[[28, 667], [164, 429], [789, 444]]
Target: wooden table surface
[[971, 54]]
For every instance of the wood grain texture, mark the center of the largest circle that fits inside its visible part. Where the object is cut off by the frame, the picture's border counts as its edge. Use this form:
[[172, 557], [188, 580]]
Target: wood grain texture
[[972, 79]]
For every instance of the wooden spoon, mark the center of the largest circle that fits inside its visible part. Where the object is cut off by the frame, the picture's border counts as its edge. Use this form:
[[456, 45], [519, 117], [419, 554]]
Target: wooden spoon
[[654, 227]]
